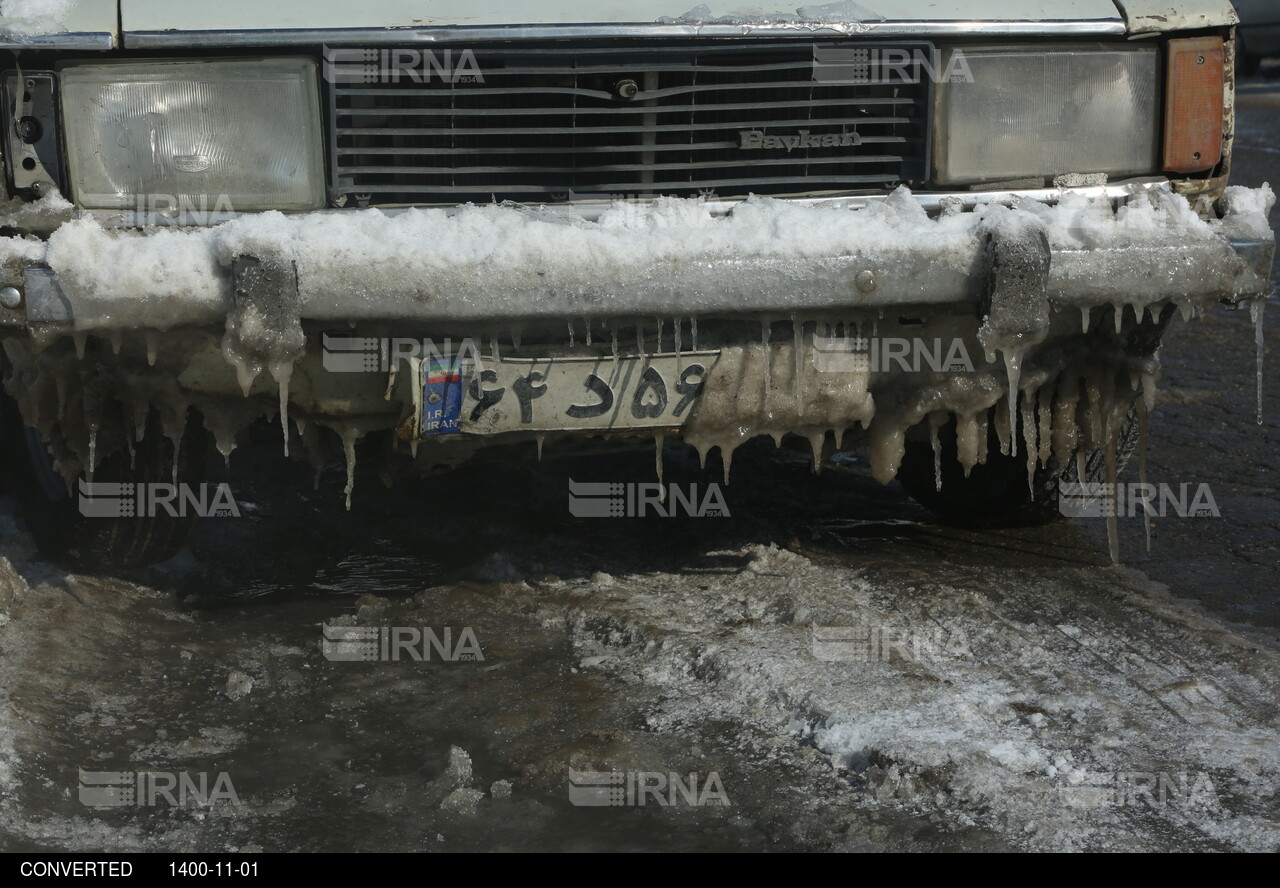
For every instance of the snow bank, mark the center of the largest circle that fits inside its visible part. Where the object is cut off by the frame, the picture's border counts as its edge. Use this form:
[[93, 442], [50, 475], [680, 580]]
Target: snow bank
[[33, 18], [486, 261]]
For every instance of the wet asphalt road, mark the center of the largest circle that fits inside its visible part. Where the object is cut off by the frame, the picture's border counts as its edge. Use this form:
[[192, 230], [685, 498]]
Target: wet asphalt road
[[682, 646]]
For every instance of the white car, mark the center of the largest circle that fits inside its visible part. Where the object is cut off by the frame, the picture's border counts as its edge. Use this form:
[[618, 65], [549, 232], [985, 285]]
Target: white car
[[949, 234], [1258, 34]]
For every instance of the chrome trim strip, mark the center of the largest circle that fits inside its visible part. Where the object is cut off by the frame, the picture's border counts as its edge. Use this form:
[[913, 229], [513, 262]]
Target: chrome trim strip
[[455, 33], [71, 40], [592, 210]]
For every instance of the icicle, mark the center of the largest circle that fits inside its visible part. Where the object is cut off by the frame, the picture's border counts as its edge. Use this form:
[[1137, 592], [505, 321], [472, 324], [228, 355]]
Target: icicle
[[658, 347], [1149, 390], [936, 421], [693, 330], [570, 323], [493, 349], [1082, 466], [245, 375], [657, 464], [177, 452], [117, 341], [984, 438], [1256, 311], [726, 456], [766, 329], [515, 337], [1045, 432], [1013, 369], [586, 322], [1096, 426], [613, 335], [1142, 470], [413, 449], [153, 346], [539, 439], [349, 435], [640, 343], [393, 373], [797, 333], [1118, 311], [141, 410], [93, 453], [1188, 310], [1029, 440], [679, 356], [967, 442], [1084, 319], [79, 339], [816, 440], [1003, 424], [283, 372]]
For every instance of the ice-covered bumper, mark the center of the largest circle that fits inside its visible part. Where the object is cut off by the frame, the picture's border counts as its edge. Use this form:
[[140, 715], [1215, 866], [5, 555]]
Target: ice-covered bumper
[[675, 258]]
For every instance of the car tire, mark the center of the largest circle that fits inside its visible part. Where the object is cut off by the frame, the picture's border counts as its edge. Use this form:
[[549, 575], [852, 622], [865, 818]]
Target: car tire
[[996, 493], [52, 515]]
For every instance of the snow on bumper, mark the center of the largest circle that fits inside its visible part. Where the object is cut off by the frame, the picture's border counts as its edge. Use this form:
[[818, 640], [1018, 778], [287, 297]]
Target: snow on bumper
[[672, 258]]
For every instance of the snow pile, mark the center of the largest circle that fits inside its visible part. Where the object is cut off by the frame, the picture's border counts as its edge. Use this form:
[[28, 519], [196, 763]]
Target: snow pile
[[842, 12], [478, 262], [33, 18], [1241, 200], [167, 277], [1037, 704]]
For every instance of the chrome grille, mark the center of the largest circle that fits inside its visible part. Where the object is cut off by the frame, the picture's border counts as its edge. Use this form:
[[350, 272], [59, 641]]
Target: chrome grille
[[547, 124]]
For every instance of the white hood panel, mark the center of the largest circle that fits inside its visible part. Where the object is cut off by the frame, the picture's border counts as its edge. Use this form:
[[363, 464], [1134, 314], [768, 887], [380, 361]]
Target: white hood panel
[[162, 15]]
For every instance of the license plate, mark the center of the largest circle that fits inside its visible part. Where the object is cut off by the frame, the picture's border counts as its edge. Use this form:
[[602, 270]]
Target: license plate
[[562, 394]]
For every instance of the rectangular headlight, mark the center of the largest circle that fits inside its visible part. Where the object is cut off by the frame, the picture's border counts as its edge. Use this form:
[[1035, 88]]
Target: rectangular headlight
[[227, 135], [1045, 111]]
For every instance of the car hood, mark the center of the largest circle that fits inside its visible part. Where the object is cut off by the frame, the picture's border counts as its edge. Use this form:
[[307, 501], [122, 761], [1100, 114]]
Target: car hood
[[148, 15], [42, 21]]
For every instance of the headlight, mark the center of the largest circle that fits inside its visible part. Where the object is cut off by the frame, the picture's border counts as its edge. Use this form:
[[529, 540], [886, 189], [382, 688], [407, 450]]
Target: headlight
[[1029, 111], [231, 135]]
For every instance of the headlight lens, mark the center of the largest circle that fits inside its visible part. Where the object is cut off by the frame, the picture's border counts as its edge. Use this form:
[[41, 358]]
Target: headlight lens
[[1035, 111], [234, 135]]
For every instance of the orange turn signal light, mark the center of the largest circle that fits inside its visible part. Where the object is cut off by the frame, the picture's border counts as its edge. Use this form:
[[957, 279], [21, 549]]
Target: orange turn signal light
[[1193, 104]]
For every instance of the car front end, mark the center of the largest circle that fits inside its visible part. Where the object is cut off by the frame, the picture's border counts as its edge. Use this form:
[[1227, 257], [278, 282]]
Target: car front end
[[941, 231]]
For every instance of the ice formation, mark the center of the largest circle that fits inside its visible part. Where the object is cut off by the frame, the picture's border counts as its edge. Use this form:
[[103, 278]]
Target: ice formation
[[1053, 394], [33, 18]]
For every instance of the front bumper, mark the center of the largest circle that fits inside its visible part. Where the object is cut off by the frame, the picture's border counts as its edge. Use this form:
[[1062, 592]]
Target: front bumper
[[499, 265]]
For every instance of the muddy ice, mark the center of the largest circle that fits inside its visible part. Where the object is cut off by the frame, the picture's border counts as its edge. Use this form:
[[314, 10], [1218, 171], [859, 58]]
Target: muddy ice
[[854, 684]]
